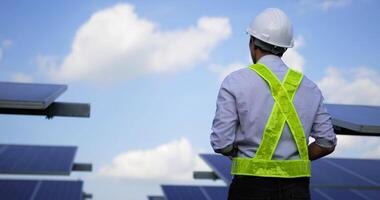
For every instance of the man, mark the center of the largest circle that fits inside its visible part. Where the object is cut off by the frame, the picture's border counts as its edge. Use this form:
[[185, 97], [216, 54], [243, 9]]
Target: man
[[265, 115]]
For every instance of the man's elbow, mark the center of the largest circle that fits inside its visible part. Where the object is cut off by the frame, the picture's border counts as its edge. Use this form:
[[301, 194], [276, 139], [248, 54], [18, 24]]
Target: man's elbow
[[329, 150], [316, 151], [227, 151]]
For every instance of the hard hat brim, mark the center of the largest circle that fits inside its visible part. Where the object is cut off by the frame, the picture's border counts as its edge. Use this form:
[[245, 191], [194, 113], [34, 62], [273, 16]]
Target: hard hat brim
[[250, 32]]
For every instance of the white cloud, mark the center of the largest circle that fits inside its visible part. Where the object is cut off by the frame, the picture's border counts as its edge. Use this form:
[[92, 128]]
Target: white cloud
[[330, 4], [292, 57], [357, 147], [47, 64], [117, 44], [324, 5], [7, 43], [22, 78], [352, 86], [175, 160], [373, 153], [4, 44], [359, 85]]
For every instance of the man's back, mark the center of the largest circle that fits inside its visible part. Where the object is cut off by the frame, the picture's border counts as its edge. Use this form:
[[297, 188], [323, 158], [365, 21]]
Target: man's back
[[269, 160], [245, 103]]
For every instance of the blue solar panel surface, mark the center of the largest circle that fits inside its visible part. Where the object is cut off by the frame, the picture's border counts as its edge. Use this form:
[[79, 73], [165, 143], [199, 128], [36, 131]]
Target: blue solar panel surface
[[221, 165], [29, 159], [343, 193], [29, 96], [355, 117], [40, 190], [346, 172], [361, 173], [173, 192]]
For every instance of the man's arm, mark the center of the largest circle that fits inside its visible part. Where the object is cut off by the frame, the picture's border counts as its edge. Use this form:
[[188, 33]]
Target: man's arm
[[225, 121], [323, 133]]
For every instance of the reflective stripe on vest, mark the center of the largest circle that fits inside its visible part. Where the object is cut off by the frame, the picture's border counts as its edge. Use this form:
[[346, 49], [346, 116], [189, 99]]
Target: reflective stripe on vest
[[283, 112]]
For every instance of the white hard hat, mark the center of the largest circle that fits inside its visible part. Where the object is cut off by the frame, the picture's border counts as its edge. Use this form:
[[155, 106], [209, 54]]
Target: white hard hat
[[273, 27]]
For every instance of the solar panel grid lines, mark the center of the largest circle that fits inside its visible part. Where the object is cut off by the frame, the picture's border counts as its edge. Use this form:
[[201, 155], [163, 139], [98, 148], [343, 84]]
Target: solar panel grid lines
[[13, 189], [353, 173], [182, 193], [67, 190], [36, 159], [336, 172], [352, 194], [324, 173], [36, 189], [364, 167], [10, 189], [29, 95], [216, 192]]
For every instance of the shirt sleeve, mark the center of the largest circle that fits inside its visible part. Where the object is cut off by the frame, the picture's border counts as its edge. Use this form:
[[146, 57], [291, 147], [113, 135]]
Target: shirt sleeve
[[225, 121], [322, 129]]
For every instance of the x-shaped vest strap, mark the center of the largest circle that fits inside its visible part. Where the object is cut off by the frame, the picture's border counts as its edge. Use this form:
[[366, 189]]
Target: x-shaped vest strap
[[283, 112]]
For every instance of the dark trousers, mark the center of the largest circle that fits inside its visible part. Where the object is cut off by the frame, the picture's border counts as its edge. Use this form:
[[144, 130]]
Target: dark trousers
[[260, 188]]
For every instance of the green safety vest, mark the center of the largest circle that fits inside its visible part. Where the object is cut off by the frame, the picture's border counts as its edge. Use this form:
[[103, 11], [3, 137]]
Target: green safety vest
[[283, 112]]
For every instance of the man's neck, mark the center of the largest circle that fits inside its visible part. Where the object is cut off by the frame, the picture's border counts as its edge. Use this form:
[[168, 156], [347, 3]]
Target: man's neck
[[261, 54]]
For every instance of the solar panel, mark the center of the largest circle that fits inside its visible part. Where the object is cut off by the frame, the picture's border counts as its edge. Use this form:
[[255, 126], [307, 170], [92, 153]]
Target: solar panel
[[343, 193], [327, 172], [40, 189], [221, 165], [28, 96], [346, 172], [362, 119], [173, 192], [29, 159]]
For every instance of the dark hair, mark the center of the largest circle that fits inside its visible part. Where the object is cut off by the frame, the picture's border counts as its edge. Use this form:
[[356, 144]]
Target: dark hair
[[268, 48]]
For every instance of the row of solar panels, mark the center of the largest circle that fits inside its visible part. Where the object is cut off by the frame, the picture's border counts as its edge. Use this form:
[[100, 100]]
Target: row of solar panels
[[11, 189], [332, 178], [40, 160], [38, 99]]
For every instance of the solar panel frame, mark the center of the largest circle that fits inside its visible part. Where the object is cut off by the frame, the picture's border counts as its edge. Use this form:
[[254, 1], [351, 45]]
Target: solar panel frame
[[29, 95], [36, 159], [358, 118], [15, 189]]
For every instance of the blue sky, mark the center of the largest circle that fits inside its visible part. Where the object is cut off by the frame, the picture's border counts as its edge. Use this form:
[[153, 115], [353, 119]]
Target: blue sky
[[107, 52]]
